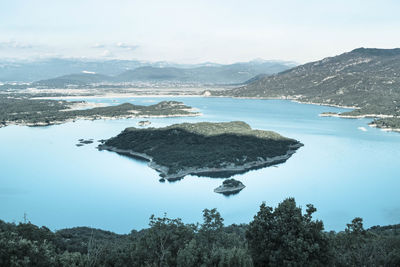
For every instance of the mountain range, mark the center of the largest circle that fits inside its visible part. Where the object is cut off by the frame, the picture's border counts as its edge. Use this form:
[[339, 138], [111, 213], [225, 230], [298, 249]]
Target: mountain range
[[75, 71]]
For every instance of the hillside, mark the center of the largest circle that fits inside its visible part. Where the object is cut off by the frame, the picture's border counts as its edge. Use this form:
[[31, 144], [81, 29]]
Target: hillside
[[366, 78], [81, 79]]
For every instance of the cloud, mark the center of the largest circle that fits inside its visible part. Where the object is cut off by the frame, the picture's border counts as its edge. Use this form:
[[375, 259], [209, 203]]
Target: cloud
[[106, 53], [127, 46], [11, 44], [98, 45]]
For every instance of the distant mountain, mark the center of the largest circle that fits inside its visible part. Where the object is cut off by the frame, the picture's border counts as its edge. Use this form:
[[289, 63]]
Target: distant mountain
[[29, 71], [81, 79], [206, 73], [366, 78], [215, 74]]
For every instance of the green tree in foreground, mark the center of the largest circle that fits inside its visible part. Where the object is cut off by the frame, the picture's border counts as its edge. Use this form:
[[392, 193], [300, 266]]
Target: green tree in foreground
[[285, 237]]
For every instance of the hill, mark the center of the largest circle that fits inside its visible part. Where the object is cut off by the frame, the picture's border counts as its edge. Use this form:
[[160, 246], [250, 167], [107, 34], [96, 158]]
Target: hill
[[365, 78], [79, 79]]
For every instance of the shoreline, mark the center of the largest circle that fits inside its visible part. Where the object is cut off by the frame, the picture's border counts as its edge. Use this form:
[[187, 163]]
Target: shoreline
[[387, 129], [155, 95], [135, 95], [228, 190], [127, 95], [369, 116], [133, 116], [163, 170]]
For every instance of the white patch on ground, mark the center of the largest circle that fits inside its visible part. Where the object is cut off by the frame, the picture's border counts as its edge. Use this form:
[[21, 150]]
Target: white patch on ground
[[88, 72]]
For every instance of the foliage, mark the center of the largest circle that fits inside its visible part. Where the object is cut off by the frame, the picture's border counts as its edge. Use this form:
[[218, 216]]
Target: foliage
[[283, 236], [286, 237], [387, 123], [199, 145]]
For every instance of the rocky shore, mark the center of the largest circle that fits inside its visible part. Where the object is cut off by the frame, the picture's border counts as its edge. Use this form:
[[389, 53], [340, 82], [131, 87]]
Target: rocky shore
[[230, 187], [230, 167]]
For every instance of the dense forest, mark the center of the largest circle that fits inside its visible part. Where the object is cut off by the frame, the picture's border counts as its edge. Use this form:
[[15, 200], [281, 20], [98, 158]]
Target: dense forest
[[204, 145], [281, 236]]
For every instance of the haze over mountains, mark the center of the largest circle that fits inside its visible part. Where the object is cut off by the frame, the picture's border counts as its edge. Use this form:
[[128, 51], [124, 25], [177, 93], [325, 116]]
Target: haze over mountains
[[74, 71], [367, 78]]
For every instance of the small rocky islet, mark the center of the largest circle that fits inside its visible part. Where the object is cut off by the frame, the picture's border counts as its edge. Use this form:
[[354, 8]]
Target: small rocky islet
[[83, 142], [230, 187]]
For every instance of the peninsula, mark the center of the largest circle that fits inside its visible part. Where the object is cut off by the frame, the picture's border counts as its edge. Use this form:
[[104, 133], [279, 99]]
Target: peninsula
[[19, 110], [203, 149]]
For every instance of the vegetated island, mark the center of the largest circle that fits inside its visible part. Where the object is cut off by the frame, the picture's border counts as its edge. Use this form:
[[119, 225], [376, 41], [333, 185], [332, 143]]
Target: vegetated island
[[230, 187], [203, 149], [33, 112]]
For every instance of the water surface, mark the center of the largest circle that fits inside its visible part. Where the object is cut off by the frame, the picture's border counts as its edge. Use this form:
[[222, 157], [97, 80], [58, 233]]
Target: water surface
[[344, 171]]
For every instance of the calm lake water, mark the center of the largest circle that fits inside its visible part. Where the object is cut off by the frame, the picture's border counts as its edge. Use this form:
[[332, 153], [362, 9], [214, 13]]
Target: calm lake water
[[342, 169]]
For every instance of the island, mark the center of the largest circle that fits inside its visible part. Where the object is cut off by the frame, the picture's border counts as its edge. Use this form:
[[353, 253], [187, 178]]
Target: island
[[230, 187], [203, 149], [83, 142], [20, 110]]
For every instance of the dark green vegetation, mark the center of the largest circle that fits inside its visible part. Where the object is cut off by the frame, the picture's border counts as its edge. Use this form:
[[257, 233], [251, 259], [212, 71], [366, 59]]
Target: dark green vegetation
[[204, 148], [231, 183], [283, 236], [365, 78], [387, 123], [33, 112]]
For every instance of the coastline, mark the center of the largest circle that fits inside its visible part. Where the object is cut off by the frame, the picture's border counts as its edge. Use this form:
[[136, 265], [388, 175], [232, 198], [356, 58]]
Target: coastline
[[388, 129], [201, 170], [370, 116], [41, 123], [228, 190]]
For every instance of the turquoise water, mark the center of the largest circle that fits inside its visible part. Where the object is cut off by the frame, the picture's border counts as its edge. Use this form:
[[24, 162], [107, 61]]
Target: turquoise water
[[344, 171]]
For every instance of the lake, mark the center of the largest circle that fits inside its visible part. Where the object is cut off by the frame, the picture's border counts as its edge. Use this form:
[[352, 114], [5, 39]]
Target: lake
[[344, 170]]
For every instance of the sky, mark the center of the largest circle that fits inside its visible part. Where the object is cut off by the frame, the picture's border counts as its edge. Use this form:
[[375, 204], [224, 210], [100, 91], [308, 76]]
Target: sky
[[191, 31]]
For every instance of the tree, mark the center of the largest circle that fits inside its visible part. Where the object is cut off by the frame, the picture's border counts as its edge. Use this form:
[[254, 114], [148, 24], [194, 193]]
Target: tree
[[286, 237], [161, 243]]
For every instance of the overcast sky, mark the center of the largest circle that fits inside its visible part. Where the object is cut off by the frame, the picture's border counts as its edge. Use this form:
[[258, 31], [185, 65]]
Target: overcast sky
[[191, 31]]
